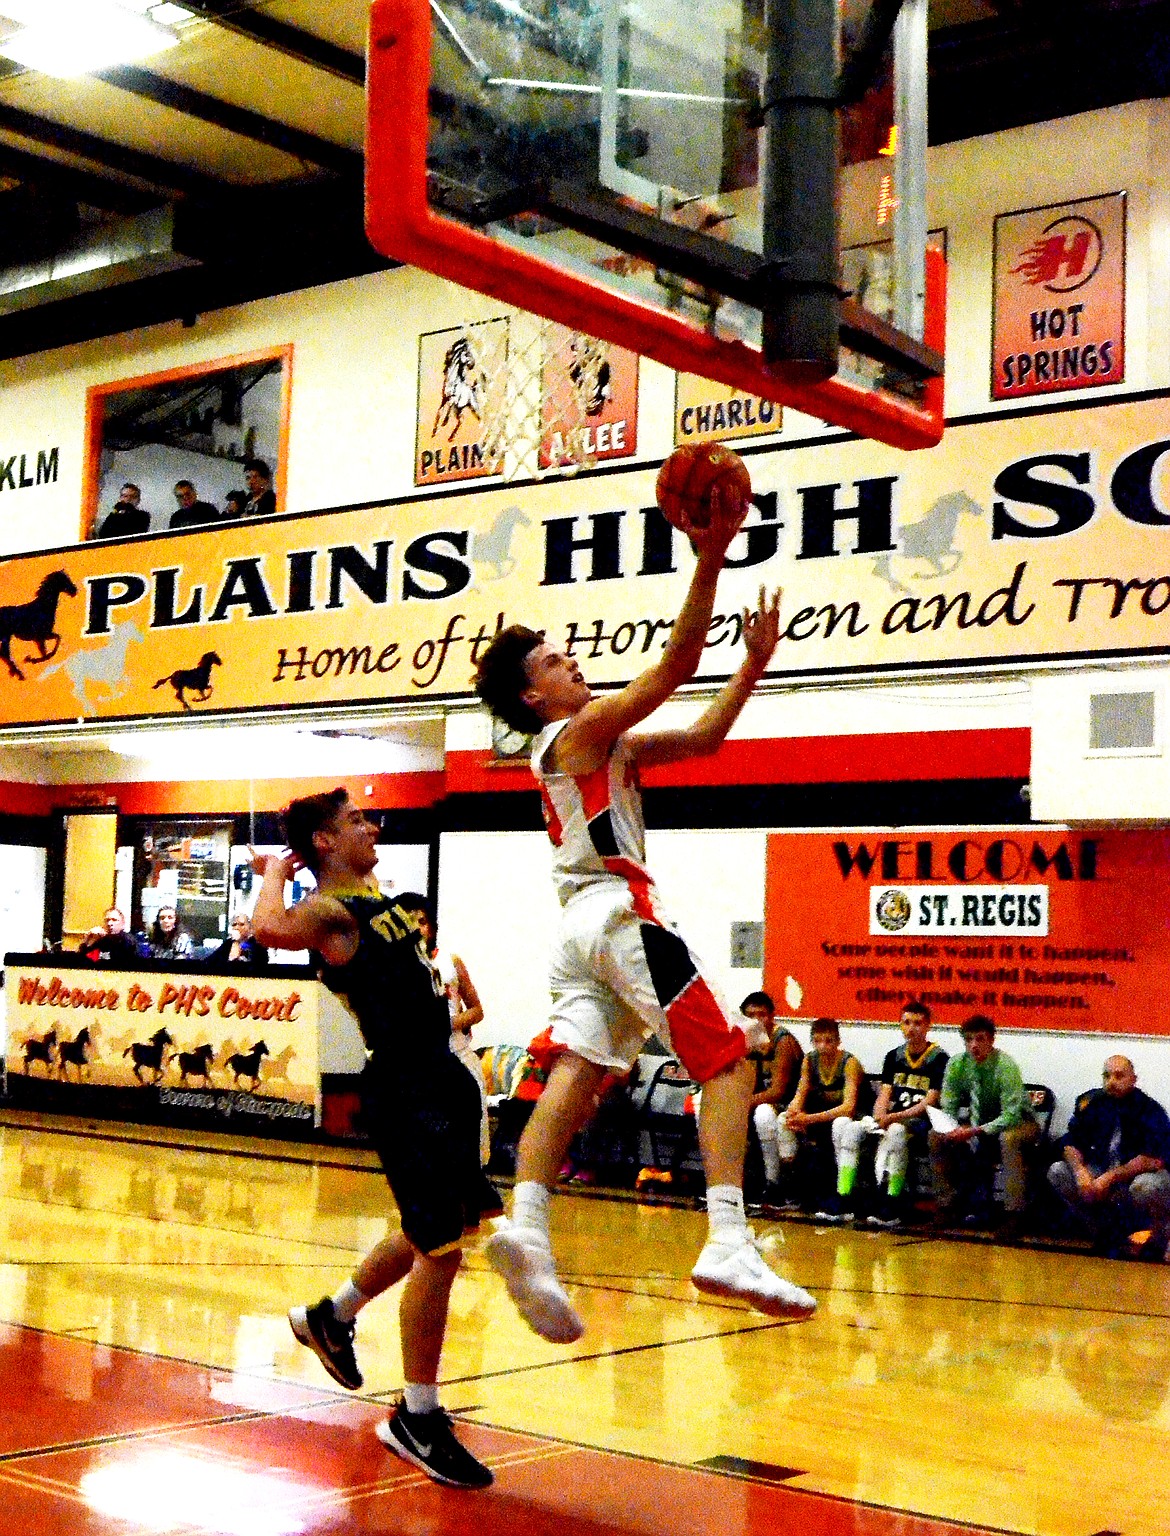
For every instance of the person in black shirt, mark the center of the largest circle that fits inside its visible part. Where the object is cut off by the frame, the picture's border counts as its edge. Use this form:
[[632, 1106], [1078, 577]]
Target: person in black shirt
[[261, 497], [1114, 1171], [112, 944], [420, 1105], [191, 511], [127, 517], [912, 1079]]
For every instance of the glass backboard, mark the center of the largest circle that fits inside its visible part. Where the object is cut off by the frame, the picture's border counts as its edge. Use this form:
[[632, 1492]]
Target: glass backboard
[[735, 189]]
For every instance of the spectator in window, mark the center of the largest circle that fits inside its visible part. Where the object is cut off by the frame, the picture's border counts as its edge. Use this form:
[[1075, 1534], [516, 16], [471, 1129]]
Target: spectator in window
[[241, 947], [191, 511], [261, 497], [167, 940], [1113, 1175], [234, 505], [777, 1064], [112, 943], [828, 1096], [986, 1083], [127, 517]]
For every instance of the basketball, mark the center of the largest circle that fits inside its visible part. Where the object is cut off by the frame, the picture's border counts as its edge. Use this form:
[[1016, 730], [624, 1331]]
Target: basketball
[[688, 477]]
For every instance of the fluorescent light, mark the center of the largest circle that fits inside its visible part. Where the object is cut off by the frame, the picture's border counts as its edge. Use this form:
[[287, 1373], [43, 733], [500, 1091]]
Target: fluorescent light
[[65, 38]]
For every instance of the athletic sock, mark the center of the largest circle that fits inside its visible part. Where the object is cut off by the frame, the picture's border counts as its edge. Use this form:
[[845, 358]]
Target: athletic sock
[[896, 1185], [846, 1178], [348, 1302], [421, 1397], [530, 1207], [725, 1218]]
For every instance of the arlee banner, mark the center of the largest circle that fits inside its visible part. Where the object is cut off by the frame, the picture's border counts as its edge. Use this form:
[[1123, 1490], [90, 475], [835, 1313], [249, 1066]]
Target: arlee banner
[[1040, 928], [1026, 539]]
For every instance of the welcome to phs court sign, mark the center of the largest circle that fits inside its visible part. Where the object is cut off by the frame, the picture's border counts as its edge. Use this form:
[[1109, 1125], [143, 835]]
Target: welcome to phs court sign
[[1016, 540]]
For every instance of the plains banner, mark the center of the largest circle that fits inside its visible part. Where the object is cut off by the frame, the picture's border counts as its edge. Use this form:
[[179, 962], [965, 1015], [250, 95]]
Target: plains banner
[[705, 412], [1039, 928], [1027, 538], [1059, 305], [237, 1047], [588, 399], [462, 383]]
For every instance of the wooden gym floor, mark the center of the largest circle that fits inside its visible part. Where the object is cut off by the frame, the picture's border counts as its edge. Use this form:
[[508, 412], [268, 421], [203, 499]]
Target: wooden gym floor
[[149, 1381]]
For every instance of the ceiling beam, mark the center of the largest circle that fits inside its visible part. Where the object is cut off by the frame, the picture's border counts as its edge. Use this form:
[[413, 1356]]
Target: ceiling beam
[[121, 159], [305, 47], [238, 120], [77, 185]]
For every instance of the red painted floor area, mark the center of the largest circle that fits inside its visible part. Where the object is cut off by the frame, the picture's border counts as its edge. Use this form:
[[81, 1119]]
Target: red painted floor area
[[97, 1441]]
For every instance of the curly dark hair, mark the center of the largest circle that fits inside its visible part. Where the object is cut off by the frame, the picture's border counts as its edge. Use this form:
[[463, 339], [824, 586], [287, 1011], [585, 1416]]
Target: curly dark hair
[[304, 817], [501, 678]]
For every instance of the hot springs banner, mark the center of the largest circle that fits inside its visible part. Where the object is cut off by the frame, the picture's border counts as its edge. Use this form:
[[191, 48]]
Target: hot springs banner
[[1039, 928], [1022, 539]]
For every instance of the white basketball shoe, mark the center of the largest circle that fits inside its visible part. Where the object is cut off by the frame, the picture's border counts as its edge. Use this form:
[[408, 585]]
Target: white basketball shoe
[[732, 1266], [521, 1256]]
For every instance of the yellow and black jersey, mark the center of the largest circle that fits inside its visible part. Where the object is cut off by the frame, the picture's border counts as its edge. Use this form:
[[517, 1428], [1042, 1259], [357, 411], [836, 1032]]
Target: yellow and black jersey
[[390, 986], [911, 1078]]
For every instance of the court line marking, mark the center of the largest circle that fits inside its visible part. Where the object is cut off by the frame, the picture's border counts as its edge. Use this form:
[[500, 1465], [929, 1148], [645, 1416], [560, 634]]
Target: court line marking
[[812, 1493]]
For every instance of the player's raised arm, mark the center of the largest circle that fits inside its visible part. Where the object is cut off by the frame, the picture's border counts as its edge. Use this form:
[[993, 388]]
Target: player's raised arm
[[761, 633], [319, 922]]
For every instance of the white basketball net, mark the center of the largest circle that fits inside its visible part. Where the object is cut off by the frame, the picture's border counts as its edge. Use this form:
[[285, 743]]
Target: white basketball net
[[534, 382]]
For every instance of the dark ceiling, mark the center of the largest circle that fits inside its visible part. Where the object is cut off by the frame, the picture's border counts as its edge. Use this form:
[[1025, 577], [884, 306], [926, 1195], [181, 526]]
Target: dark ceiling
[[232, 167]]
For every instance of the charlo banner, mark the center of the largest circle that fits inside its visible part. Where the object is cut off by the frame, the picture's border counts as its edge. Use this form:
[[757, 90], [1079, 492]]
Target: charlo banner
[[1040, 928], [1017, 540]]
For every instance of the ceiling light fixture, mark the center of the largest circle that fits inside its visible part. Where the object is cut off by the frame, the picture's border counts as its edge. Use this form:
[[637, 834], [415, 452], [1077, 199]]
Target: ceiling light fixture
[[66, 38]]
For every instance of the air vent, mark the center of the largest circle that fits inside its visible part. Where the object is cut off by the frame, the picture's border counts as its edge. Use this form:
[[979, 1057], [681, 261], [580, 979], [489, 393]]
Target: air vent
[[1121, 722]]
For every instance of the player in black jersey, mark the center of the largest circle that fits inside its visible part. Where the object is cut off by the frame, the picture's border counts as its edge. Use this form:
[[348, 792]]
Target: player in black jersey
[[421, 1113]]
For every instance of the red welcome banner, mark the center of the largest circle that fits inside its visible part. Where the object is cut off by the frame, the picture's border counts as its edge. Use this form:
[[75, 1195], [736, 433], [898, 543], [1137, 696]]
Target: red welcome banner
[[1040, 928]]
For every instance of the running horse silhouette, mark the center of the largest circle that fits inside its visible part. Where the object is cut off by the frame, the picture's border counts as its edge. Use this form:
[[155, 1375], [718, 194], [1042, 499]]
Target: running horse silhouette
[[101, 666], [195, 680], [35, 621], [494, 545], [147, 1055], [247, 1064], [41, 1048], [75, 1053], [196, 1063], [463, 387], [931, 538]]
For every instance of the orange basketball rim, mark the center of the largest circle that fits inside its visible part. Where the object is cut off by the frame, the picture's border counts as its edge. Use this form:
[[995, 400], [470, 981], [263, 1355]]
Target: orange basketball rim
[[401, 224]]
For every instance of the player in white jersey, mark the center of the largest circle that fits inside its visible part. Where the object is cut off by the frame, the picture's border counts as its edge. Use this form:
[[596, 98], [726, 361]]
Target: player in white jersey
[[621, 969]]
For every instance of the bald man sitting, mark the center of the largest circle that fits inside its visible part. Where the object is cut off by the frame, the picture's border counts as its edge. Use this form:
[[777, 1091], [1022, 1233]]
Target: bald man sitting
[[1116, 1154]]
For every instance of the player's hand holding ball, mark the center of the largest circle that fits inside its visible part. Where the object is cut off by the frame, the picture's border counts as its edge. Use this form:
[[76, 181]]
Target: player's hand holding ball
[[704, 490]]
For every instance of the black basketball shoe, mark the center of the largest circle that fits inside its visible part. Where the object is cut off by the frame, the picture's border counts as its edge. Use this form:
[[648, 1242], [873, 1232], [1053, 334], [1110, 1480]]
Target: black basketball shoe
[[428, 1441], [331, 1341]]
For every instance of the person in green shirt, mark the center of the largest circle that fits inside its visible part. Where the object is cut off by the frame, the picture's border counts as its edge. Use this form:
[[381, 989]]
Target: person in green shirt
[[985, 1082]]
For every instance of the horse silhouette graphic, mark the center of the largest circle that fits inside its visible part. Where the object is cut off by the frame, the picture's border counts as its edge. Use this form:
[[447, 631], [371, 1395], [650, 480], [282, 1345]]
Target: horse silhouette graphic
[[35, 620], [931, 539], [246, 1064], [100, 667], [195, 680], [493, 546], [464, 387]]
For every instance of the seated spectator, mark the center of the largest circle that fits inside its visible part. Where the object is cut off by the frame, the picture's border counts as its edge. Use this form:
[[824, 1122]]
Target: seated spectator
[[112, 943], [986, 1083], [827, 1097], [1113, 1175], [191, 511], [777, 1065], [234, 504], [167, 940], [261, 497], [912, 1078], [127, 517], [241, 947]]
